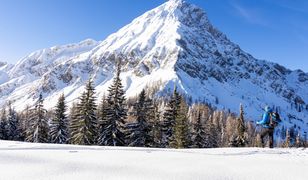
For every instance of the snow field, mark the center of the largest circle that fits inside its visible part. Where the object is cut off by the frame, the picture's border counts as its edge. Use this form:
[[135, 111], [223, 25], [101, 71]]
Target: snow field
[[29, 161]]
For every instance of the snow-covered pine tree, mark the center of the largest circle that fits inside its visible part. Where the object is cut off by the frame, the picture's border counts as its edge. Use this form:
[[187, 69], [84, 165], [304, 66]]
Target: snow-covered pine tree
[[139, 132], [153, 121], [287, 143], [241, 128], [218, 127], [211, 134], [198, 133], [298, 141], [38, 130], [180, 135], [240, 140], [13, 127], [3, 125], [73, 113], [24, 123], [230, 132], [112, 133], [83, 126], [59, 123], [169, 116], [152, 117], [101, 117], [156, 125], [222, 129]]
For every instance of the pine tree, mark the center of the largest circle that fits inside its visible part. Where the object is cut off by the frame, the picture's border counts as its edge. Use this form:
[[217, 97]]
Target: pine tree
[[199, 134], [38, 130], [156, 126], [258, 142], [241, 127], [102, 114], [230, 130], [217, 128], [24, 123], [169, 117], [3, 125], [112, 132], [139, 132], [222, 129], [180, 137], [83, 126], [59, 123], [298, 142], [13, 127], [283, 132], [240, 140], [211, 134], [287, 143], [73, 114]]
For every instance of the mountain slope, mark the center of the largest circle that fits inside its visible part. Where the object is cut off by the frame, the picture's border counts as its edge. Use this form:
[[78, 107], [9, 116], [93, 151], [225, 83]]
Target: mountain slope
[[173, 44], [4, 67]]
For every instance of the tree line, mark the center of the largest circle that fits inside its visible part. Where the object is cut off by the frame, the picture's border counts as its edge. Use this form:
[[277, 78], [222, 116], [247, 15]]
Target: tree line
[[137, 122]]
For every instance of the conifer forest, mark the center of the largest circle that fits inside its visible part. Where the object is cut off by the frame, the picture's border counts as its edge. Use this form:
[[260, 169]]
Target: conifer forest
[[142, 121]]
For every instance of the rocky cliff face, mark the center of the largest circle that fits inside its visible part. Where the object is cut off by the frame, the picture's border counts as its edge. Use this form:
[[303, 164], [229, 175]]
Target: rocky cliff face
[[174, 43]]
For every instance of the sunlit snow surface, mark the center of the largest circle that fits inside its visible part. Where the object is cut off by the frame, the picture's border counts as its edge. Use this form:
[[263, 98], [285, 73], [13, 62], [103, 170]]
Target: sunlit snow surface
[[47, 161]]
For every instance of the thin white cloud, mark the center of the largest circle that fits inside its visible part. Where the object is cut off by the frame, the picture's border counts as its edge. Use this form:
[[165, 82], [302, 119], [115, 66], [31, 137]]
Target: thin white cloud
[[250, 15], [296, 6]]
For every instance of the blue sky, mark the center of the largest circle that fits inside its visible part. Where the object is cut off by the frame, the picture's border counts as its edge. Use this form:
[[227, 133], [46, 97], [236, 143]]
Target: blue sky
[[275, 30]]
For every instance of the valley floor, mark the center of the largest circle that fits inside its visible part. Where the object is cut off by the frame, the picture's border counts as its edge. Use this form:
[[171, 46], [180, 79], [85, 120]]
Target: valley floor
[[28, 161]]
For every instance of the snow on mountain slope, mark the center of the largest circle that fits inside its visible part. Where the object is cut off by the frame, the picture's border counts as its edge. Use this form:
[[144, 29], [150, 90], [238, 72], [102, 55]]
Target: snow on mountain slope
[[4, 67], [57, 162], [30, 73], [3, 77], [172, 44]]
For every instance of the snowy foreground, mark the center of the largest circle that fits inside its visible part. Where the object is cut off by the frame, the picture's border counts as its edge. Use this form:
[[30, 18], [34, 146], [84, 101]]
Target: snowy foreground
[[46, 161]]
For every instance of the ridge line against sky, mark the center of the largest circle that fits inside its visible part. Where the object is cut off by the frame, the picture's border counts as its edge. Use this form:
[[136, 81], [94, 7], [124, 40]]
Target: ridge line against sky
[[275, 30]]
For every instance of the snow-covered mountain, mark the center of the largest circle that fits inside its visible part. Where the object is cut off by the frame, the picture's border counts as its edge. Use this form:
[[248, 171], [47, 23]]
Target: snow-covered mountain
[[172, 44]]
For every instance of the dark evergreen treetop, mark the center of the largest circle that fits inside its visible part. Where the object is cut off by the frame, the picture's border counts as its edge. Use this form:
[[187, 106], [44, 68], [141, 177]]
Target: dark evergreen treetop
[[13, 128], [240, 139], [3, 125], [83, 126], [112, 133], [198, 134], [38, 131], [180, 134], [169, 117], [139, 132], [59, 123]]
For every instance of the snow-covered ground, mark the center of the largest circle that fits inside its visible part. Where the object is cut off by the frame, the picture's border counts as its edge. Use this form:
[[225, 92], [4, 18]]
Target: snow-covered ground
[[47, 161]]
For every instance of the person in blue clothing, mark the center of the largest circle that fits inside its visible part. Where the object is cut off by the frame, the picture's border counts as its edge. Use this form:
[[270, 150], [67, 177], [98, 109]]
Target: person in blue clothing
[[269, 121]]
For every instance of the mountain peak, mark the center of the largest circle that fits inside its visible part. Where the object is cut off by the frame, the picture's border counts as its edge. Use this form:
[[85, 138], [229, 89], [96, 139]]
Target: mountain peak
[[175, 2], [185, 13]]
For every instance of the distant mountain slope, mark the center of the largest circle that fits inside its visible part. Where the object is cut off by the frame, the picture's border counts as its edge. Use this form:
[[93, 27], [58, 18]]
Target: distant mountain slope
[[172, 44]]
